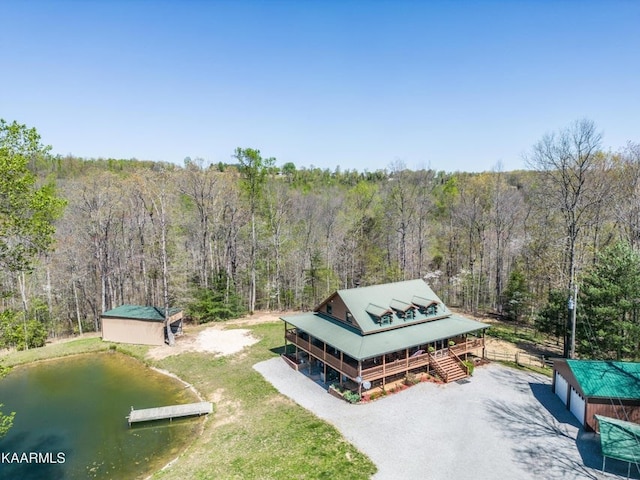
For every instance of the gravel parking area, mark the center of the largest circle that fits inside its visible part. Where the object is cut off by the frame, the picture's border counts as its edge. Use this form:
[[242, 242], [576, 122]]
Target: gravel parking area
[[500, 423]]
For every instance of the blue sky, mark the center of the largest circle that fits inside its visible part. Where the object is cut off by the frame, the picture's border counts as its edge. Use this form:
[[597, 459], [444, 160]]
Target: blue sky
[[448, 85]]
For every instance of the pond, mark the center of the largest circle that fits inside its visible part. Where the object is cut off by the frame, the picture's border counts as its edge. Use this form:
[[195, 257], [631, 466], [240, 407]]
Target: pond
[[71, 419]]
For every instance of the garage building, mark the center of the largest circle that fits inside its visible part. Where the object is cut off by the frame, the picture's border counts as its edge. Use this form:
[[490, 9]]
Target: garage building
[[139, 324], [598, 387]]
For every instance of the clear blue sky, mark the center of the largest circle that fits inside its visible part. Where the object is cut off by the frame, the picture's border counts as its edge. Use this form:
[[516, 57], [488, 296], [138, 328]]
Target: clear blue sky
[[450, 85]]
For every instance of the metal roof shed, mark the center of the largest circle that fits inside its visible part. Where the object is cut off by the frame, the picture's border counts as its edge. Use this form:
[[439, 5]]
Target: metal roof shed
[[138, 324]]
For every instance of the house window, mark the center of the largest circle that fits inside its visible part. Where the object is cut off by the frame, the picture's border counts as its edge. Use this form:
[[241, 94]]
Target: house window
[[349, 317], [329, 309]]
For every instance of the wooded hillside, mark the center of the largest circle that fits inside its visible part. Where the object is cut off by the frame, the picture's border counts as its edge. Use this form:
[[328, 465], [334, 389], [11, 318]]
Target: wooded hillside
[[256, 235]]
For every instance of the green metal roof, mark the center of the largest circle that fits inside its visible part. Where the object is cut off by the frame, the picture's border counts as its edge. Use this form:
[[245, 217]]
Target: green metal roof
[[363, 301], [600, 378], [619, 439], [138, 312], [348, 340]]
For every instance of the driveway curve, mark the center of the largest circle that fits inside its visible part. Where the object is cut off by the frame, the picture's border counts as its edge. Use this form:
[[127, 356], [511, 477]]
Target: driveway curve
[[499, 424]]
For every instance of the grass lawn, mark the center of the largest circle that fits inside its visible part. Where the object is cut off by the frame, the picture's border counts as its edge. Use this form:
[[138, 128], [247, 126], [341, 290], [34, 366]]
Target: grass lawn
[[255, 432]]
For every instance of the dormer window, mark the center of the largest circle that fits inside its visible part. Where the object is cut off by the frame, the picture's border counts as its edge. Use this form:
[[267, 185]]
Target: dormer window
[[380, 314], [403, 310]]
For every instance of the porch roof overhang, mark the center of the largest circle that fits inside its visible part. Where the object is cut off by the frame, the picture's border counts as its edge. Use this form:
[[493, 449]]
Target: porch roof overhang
[[361, 347]]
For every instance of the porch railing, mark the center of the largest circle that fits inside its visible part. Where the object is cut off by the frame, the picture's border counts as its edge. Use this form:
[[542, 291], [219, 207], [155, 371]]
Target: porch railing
[[382, 370], [321, 354]]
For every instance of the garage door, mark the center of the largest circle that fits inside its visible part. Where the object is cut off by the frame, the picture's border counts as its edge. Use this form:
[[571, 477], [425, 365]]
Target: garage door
[[577, 405], [561, 387]]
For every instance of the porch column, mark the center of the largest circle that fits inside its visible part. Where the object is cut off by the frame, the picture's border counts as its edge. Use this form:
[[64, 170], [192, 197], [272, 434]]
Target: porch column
[[406, 360], [384, 370], [484, 344], [285, 338], [360, 375]]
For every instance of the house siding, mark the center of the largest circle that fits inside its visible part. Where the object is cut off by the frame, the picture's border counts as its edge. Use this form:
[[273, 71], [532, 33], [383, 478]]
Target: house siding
[[124, 330], [338, 310], [627, 410]]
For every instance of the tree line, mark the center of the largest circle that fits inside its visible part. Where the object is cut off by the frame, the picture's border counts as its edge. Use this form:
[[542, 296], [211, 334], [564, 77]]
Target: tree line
[[222, 239]]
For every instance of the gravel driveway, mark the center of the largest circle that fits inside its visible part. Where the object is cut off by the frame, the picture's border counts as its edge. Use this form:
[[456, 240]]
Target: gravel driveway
[[499, 424]]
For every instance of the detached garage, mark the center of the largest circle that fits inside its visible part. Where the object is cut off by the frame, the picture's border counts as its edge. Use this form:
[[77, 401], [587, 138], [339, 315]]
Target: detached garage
[[139, 325], [598, 387]]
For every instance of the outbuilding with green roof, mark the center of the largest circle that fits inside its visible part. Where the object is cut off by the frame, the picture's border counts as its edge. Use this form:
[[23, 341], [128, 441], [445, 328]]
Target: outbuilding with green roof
[[598, 387], [139, 324]]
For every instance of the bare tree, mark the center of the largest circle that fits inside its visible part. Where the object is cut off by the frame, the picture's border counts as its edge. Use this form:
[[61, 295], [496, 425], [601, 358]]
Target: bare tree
[[199, 184], [566, 160], [627, 206]]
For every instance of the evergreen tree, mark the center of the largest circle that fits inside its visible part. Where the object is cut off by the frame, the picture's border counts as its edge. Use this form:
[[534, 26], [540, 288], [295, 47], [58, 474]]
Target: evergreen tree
[[609, 306], [516, 295], [216, 303]]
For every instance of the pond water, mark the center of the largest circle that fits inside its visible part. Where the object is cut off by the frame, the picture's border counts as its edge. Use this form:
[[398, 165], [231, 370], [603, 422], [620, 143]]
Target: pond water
[[72, 412]]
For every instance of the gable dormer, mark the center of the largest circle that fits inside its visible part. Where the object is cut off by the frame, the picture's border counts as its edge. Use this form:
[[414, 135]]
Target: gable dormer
[[381, 315], [404, 310], [426, 306]]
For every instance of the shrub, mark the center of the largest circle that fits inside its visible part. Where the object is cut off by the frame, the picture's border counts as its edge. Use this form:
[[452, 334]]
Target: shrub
[[411, 379], [13, 329], [351, 397], [470, 366], [215, 304]]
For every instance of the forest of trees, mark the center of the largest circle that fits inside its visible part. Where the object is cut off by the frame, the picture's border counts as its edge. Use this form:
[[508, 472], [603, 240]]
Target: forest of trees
[[220, 239]]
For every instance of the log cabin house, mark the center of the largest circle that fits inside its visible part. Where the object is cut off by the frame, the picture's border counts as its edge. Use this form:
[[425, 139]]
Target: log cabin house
[[366, 337]]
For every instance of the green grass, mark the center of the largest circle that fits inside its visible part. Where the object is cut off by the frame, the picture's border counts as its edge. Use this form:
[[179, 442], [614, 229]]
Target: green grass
[[64, 349], [512, 335], [255, 432], [548, 372]]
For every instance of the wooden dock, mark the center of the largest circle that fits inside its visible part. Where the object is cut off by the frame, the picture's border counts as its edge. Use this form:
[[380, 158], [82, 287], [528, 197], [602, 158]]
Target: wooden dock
[[170, 412]]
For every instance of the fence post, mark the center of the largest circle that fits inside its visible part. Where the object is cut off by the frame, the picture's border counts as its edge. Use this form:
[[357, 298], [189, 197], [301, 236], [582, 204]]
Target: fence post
[[517, 358]]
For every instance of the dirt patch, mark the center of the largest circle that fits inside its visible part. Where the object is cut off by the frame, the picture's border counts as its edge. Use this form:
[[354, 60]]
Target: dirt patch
[[213, 340], [497, 345], [216, 339]]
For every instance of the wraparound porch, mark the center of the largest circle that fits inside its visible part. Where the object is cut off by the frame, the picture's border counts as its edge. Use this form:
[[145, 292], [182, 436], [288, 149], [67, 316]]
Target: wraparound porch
[[424, 357]]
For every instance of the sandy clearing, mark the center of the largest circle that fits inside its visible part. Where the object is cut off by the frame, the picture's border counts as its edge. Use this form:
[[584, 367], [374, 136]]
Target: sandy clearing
[[217, 339], [213, 340]]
